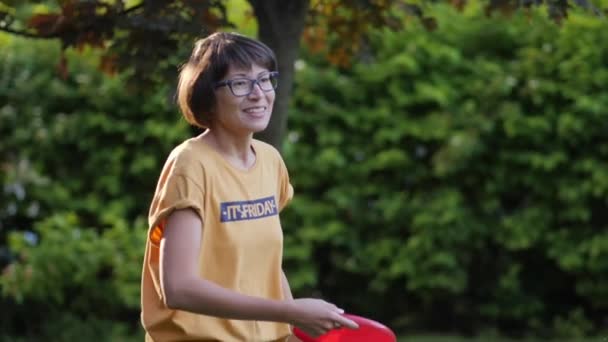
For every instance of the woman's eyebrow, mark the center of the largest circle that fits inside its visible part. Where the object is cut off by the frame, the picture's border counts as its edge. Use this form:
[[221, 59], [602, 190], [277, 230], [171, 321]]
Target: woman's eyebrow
[[246, 75]]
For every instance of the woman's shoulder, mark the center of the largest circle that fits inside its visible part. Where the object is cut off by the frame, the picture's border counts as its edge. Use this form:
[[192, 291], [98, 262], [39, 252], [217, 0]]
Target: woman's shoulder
[[185, 150], [190, 153]]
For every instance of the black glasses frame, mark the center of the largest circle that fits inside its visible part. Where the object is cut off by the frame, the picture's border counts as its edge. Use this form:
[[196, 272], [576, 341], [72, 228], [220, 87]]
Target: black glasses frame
[[253, 82]]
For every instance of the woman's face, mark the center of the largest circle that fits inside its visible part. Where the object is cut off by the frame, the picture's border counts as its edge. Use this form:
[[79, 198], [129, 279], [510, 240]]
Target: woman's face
[[246, 112]]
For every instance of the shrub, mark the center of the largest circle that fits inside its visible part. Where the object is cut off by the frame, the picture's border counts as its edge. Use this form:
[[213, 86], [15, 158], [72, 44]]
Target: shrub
[[80, 157], [456, 179]]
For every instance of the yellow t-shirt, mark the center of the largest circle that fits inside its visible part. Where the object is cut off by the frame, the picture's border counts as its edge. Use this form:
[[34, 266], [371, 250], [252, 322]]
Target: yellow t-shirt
[[242, 243]]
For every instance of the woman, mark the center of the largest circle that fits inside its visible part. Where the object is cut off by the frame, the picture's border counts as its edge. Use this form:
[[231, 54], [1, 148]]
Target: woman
[[212, 268]]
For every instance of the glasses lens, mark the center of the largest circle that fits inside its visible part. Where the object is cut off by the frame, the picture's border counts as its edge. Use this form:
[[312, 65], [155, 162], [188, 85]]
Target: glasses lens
[[241, 86], [244, 86], [268, 82]]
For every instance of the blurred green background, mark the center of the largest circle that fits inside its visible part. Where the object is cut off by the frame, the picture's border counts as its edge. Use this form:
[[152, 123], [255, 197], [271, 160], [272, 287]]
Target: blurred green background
[[452, 183]]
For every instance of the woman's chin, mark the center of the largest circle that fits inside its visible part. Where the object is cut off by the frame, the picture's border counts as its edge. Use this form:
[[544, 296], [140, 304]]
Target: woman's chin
[[259, 129], [258, 126]]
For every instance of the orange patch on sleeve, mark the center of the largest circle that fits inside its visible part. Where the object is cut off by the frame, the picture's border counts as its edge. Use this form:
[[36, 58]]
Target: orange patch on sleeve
[[156, 235]]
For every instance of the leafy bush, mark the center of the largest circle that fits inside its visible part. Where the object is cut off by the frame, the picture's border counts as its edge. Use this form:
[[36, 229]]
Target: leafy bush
[[80, 157], [76, 283], [457, 179]]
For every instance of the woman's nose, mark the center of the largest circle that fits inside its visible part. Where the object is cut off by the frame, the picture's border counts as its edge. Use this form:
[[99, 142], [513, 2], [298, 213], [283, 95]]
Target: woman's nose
[[256, 91]]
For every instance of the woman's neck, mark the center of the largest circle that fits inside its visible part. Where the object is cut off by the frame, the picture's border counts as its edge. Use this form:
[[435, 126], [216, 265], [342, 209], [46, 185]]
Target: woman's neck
[[236, 149]]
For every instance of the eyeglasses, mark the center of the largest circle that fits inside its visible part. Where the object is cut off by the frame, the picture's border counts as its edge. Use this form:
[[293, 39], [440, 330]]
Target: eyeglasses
[[244, 86]]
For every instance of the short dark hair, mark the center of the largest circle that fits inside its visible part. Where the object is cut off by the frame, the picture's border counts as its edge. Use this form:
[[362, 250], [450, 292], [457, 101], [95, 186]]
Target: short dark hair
[[208, 64]]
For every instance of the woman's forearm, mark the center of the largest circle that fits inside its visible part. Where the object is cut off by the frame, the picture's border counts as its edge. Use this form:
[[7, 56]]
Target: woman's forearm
[[184, 289], [207, 298]]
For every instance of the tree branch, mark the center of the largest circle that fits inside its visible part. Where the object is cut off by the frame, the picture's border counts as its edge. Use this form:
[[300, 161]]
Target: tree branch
[[27, 34], [134, 8]]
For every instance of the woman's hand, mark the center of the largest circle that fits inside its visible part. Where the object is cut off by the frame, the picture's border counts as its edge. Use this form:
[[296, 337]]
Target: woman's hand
[[316, 317]]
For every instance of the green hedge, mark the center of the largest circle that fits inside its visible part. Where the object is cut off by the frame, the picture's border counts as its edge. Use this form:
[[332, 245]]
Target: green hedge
[[457, 179], [80, 158], [453, 180]]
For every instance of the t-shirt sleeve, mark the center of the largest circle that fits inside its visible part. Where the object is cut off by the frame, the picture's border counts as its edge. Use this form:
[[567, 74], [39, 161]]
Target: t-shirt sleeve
[[285, 187], [177, 191]]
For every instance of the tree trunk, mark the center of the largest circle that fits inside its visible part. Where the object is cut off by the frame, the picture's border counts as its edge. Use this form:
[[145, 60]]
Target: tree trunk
[[280, 26]]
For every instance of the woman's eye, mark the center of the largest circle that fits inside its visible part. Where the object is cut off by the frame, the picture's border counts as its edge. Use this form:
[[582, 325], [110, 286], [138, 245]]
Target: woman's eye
[[239, 83]]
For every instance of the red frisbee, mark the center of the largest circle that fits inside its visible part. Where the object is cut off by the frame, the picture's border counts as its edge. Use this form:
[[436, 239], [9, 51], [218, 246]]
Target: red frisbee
[[369, 330]]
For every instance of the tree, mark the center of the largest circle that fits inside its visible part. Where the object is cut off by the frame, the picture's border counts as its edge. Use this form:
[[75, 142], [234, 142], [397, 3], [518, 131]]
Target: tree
[[145, 34]]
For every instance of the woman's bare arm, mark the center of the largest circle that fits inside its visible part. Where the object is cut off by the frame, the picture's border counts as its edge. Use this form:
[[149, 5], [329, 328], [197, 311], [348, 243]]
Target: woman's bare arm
[[184, 289]]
